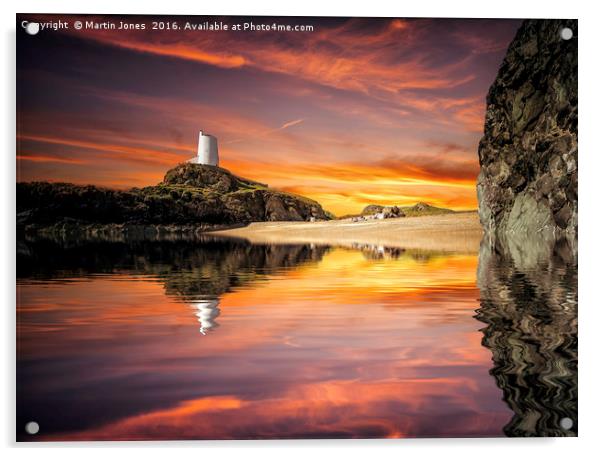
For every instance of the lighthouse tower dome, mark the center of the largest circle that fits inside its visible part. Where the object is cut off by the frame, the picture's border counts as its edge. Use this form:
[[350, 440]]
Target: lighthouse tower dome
[[207, 151]]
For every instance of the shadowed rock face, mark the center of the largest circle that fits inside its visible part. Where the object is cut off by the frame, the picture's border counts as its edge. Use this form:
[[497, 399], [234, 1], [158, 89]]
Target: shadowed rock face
[[531, 317], [528, 155], [239, 200], [192, 197]]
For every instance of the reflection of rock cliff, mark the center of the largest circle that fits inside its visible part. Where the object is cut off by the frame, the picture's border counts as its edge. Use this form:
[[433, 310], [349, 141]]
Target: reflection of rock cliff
[[531, 317], [196, 271], [197, 196], [528, 155], [189, 268]]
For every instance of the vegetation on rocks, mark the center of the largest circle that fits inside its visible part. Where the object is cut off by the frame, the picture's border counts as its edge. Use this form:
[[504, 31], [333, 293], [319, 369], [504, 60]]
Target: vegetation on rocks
[[189, 195]]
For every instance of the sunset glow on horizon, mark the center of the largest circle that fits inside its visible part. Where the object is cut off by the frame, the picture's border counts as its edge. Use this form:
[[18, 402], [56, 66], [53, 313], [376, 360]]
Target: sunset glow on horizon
[[355, 112]]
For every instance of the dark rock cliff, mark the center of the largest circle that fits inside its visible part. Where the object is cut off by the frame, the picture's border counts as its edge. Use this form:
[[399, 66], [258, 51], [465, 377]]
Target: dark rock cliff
[[527, 185], [193, 196]]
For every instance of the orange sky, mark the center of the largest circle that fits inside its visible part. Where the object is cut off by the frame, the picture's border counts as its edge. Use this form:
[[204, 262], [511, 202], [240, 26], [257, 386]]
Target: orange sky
[[359, 111]]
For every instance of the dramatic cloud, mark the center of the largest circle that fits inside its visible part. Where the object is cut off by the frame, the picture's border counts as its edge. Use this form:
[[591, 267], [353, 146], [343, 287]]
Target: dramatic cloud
[[385, 111]]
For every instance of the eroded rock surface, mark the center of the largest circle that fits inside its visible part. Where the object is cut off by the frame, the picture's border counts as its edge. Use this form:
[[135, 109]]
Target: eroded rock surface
[[190, 196], [528, 155]]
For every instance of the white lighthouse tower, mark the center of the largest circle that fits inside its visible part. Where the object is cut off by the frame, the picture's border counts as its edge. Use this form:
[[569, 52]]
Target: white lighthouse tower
[[207, 151]]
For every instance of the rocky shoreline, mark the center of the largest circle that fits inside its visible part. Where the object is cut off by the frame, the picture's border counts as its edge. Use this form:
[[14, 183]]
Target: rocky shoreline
[[191, 199]]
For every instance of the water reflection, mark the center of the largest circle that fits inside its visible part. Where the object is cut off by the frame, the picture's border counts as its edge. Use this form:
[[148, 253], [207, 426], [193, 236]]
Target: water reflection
[[206, 310], [195, 269], [382, 252], [529, 303], [304, 341]]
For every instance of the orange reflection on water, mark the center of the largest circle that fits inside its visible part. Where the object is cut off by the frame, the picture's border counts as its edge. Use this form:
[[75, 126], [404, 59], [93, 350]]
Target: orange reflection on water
[[336, 409], [349, 346]]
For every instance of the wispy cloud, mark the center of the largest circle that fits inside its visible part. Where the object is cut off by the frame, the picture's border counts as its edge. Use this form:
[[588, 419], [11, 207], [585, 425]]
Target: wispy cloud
[[49, 159], [387, 61], [292, 123]]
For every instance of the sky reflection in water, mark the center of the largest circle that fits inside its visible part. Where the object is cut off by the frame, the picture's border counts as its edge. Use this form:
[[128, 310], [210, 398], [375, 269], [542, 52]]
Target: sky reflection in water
[[299, 341]]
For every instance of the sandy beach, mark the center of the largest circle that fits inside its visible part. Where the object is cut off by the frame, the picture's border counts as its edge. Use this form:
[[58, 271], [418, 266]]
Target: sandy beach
[[459, 232]]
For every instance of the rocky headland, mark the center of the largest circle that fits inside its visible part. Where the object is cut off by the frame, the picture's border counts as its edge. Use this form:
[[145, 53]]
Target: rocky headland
[[191, 197]]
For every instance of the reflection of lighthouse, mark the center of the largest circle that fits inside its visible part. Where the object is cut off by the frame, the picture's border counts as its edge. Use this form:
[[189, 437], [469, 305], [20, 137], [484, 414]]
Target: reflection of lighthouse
[[206, 311], [207, 151]]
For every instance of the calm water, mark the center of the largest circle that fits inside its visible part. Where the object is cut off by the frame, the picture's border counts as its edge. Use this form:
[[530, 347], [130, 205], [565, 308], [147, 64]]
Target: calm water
[[220, 339]]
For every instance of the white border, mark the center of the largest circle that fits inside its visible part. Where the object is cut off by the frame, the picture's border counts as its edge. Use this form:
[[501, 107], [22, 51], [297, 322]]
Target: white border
[[590, 372]]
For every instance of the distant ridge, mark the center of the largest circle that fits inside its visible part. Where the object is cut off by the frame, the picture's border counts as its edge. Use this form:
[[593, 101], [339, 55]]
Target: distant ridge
[[416, 210]]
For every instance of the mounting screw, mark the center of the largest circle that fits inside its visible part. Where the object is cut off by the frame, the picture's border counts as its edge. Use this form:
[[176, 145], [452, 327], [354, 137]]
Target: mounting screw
[[566, 33], [566, 423], [32, 428]]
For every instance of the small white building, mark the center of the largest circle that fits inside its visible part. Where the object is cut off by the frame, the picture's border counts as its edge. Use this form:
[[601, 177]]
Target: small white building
[[207, 152]]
